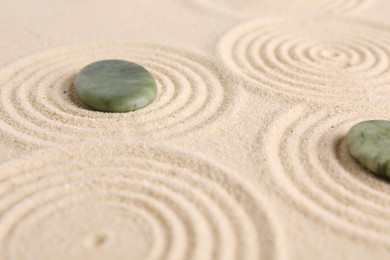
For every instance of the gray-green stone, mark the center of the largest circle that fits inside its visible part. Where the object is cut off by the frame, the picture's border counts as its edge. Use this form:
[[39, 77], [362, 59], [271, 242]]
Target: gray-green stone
[[369, 143], [115, 86]]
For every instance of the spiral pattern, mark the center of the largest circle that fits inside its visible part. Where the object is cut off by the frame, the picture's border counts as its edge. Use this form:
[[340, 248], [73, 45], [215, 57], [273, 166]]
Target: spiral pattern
[[255, 7], [38, 104], [334, 60], [312, 169], [152, 202]]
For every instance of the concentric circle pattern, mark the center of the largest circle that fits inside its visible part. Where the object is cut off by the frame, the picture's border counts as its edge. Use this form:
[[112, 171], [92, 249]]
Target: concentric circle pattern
[[256, 7], [318, 59], [153, 201], [38, 103], [312, 169]]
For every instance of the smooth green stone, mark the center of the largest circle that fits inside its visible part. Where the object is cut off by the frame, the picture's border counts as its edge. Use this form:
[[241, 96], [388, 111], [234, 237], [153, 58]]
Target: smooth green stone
[[369, 143], [115, 86]]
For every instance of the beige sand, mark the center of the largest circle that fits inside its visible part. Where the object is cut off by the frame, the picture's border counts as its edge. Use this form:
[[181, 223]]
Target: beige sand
[[241, 156]]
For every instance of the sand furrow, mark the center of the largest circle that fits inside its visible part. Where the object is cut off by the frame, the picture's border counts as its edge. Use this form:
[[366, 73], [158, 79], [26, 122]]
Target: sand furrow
[[153, 201], [312, 168], [318, 59], [39, 105]]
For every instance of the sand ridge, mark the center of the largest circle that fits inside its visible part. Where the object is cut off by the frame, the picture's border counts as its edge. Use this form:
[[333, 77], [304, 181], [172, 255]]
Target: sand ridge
[[308, 159], [278, 82], [313, 59], [39, 104], [193, 207]]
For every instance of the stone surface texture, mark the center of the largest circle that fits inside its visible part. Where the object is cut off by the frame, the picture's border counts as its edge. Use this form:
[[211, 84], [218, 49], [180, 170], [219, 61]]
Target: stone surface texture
[[115, 86], [369, 143]]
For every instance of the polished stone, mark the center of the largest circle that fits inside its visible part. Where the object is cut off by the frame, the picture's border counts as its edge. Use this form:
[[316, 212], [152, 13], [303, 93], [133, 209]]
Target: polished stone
[[115, 86], [369, 143]]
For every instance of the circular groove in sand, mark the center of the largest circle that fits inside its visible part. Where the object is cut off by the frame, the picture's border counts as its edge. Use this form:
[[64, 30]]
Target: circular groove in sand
[[255, 7], [191, 207], [38, 103], [312, 169], [338, 60]]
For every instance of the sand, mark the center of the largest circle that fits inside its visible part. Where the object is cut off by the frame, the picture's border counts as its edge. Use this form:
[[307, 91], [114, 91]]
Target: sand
[[241, 156]]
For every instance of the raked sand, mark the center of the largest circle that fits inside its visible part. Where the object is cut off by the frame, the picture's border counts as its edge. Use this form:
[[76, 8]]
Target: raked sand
[[241, 156]]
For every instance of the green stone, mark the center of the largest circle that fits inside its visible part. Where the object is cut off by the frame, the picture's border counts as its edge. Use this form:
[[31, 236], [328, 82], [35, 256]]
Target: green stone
[[369, 143], [115, 86]]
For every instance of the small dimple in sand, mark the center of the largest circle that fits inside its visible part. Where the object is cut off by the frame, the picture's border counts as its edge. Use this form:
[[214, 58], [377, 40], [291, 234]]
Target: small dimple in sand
[[96, 240]]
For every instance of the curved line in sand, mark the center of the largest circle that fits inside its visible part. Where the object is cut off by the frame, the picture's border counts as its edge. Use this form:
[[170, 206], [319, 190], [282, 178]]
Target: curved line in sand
[[312, 169], [253, 7], [200, 210], [39, 105], [339, 60], [148, 214]]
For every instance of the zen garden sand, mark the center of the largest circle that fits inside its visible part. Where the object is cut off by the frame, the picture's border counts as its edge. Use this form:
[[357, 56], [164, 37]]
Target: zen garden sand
[[242, 155]]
